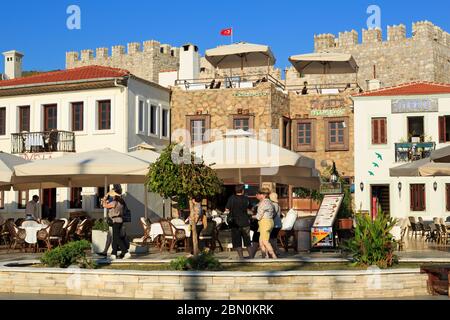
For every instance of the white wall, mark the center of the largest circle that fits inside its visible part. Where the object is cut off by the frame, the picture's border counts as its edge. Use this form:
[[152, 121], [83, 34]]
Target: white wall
[[365, 154]]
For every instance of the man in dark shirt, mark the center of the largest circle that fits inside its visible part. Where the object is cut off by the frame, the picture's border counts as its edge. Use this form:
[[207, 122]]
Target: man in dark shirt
[[237, 207]]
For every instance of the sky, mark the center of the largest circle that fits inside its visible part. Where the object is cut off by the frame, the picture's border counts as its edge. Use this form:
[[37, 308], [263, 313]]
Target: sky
[[39, 29]]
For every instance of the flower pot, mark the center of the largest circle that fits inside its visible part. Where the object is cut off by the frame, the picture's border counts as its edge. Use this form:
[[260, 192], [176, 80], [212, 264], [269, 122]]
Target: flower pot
[[345, 223], [101, 241]]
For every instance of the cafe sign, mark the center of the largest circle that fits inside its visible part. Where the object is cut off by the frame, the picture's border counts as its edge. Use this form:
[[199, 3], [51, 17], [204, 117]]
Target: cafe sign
[[414, 105], [250, 94], [337, 112]]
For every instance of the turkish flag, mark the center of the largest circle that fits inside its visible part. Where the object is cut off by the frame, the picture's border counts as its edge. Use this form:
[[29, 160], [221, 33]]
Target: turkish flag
[[226, 32]]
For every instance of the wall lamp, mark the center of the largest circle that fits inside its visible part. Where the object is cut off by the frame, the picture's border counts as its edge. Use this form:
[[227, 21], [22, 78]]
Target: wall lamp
[[361, 186], [399, 186], [435, 186]]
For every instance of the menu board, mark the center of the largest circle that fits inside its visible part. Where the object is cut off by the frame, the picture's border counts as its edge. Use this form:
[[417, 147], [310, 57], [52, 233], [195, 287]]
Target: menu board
[[328, 210]]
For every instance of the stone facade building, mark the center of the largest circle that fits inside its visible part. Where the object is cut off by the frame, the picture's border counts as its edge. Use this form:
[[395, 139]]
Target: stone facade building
[[424, 56], [145, 63]]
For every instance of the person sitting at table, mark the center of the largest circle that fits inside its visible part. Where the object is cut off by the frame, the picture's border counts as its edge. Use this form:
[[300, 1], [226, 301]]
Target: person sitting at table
[[31, 210]]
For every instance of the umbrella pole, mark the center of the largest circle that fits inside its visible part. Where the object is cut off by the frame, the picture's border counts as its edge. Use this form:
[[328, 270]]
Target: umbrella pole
[[145, 203], [41, 201], [105, 211]]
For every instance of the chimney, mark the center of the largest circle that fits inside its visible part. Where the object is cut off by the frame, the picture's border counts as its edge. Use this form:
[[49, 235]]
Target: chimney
[[374, 84], [13, 64], [189, 62]]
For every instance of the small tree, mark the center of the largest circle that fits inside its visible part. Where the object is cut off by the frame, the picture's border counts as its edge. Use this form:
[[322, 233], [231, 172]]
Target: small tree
[[178, 175]]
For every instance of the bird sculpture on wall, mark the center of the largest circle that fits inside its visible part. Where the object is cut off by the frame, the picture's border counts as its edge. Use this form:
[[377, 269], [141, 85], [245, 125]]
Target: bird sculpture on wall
[[371, 173], [376, 165], [379, 156]]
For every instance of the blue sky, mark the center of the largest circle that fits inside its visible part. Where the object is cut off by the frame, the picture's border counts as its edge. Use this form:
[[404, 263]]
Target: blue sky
[[38, 28]]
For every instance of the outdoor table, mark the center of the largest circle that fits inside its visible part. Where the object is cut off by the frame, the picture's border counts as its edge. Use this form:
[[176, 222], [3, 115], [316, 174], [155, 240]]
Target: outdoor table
[[156, 230], [31, 228]]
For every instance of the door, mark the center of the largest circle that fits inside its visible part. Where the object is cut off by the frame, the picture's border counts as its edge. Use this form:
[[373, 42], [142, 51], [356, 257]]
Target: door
[[49, 204], [415, 129], [380, 199], [50, 117]]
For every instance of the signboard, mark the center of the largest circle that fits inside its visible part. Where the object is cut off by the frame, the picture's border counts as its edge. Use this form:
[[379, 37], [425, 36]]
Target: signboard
[[322, 237], [328, 210], [250, 94], [414, 105], [337, 112]]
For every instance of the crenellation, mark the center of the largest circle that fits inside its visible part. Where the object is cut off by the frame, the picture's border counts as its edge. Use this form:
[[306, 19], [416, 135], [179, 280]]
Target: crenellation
[[175, 52], [372, 36], [101, 53], [165, 48], [322, 42], [396, 33], [87, 55], [348, 38], [134, 47], [151, 45], [72, 57], [423, 30], [118, 51]]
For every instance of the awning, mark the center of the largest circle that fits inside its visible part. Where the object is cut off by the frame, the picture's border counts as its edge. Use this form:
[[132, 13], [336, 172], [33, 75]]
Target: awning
[[239, 55], [7, 163], [324, 63]]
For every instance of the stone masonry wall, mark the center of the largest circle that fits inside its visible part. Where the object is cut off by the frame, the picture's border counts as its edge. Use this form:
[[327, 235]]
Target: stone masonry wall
[[144, 62], [424, 56]]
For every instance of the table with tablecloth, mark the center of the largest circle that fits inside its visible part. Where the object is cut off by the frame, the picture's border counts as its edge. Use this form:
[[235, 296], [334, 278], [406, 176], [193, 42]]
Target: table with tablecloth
[[31, 228], [156, 229]]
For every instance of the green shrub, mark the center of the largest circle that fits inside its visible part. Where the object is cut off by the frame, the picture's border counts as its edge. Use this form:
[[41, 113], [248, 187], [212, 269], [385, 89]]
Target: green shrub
[[204, 261], [71, 253], [101, 225], [373, 243]]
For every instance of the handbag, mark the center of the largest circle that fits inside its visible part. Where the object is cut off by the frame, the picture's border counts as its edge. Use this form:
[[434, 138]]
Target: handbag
[[109, 221]]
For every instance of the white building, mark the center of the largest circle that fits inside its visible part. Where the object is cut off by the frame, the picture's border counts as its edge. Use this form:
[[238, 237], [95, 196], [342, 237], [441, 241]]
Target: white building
[[393, 126], [86, 108]]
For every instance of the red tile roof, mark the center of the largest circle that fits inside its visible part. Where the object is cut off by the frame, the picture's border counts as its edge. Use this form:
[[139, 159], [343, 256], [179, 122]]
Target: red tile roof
[[82, 73], [407, 89]]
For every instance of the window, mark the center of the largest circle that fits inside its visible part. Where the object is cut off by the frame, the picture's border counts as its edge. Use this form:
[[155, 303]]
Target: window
[[153, 119], [77, 116], [2, 199], [242, 122], [76, 200], [286, 133], [447, 196], [417, 197], [104, 115], [2, 121], [141, 116], [444, 129], [379, 131], [336, 134], [22, 199], [304, 135], [165, 123], [197, 126], [50, 117], [416, 129], [24, 118]]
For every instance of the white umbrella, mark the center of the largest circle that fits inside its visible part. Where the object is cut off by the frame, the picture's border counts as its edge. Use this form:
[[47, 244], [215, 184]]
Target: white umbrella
[[238, 158], [7, 163], [324, 63]]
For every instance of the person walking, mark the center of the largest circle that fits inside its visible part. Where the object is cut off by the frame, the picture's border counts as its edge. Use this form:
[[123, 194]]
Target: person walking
[[265, 216], [277, 222], [32, 209], [236, 207], [115, 212]]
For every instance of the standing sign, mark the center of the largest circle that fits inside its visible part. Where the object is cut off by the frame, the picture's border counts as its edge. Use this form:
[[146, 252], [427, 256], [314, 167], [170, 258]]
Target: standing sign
[[322, 234]]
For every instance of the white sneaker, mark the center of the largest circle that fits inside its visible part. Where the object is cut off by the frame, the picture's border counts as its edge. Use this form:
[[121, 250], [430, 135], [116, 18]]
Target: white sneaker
[[112, 257], [127, 256]]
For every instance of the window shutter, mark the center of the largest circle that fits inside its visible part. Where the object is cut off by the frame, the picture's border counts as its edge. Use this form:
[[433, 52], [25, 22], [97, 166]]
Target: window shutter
[[383, 138], [447, 196], [412, 197], [422, 197], [442, 132], [375, 131]]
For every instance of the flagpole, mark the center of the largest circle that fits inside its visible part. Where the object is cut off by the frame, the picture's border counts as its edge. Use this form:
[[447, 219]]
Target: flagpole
[[232, 31]]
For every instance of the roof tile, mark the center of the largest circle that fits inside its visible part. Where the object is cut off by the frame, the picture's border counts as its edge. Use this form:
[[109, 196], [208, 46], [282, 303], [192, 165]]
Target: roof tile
[[412, 88]]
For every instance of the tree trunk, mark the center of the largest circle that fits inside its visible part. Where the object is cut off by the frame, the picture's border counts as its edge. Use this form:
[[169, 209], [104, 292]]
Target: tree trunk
[[193, 228]]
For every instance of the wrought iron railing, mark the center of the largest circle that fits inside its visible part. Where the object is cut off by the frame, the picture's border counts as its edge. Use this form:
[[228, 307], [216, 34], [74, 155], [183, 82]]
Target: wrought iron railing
[[46, 141], [412, 151]]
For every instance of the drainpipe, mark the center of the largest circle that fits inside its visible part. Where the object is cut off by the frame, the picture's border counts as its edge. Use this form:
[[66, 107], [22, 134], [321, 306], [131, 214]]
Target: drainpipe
[[126, 108]]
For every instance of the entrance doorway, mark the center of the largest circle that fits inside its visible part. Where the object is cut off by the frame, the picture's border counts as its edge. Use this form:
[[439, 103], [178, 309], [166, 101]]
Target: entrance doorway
[[415, 129], [380, 199], [49, 204]]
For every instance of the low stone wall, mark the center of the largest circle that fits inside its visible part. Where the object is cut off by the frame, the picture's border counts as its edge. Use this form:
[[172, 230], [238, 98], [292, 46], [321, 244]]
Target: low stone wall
[[215, 285]]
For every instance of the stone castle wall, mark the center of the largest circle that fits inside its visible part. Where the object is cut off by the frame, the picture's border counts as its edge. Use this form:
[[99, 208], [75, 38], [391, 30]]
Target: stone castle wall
[[399, 59], [145, 62]]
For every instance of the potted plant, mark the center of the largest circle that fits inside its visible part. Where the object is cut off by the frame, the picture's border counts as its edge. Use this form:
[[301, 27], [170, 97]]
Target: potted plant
[[345, 214], [101, 239]]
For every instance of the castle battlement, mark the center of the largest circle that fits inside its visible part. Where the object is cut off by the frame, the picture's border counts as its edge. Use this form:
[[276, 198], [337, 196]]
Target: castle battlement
[[421, 30]]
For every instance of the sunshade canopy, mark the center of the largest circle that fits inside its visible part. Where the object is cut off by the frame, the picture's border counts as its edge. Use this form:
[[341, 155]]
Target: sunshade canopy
[[7, 163], [240, 55], [238, 158], [324, 63], [86, 169]]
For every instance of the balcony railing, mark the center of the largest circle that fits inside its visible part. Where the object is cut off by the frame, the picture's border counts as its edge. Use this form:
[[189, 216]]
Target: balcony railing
[[406, 152], [47, 141]]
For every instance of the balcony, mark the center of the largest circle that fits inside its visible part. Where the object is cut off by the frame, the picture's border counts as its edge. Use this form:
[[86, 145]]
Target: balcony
[[407, 152], [46, 141]]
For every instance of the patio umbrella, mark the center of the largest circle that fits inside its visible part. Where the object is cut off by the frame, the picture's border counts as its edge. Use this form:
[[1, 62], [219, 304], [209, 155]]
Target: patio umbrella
[[86, 169], [7, 163], [239, 55], [240, 157], [434, 169], [324, 63]]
